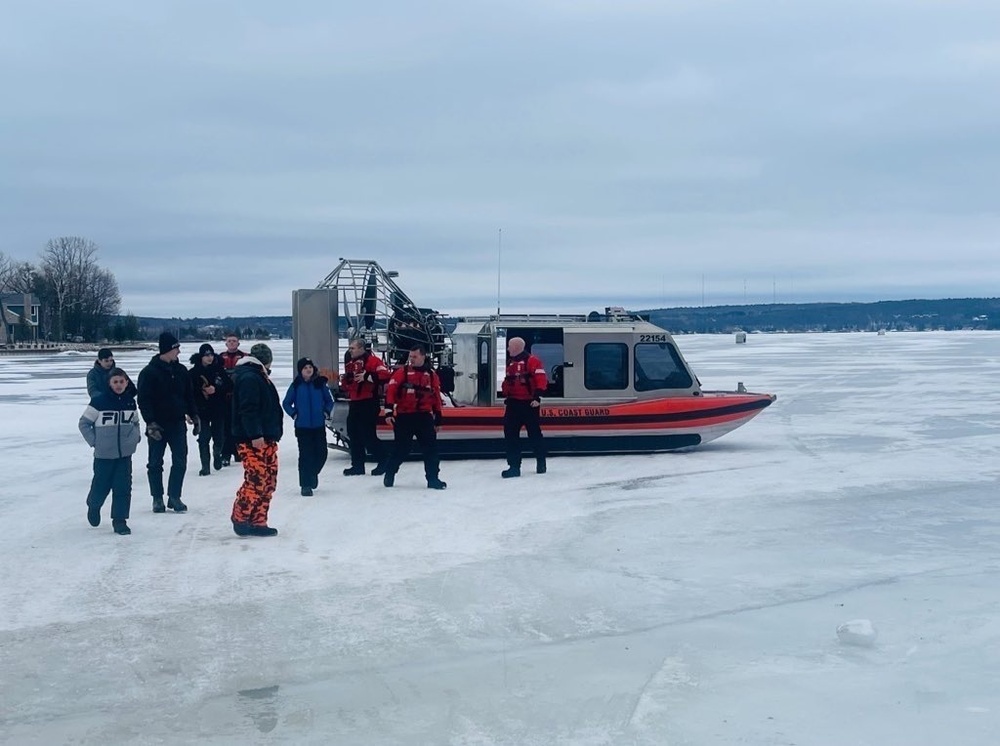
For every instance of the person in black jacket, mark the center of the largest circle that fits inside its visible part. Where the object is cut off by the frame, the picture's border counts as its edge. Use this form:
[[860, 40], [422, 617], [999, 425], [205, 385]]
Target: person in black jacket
[[165, 401], [211, 385], [257, 428]]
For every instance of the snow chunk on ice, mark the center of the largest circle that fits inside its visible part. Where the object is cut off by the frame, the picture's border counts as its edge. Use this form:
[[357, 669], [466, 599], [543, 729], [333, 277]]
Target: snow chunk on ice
[[857, 632]]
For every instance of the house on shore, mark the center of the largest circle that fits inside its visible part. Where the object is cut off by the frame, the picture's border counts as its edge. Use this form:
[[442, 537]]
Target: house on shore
[[18, 318]]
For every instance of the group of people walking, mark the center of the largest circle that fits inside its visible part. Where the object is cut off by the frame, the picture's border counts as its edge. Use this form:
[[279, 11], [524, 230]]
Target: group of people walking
[[230, 404], [235, 412]]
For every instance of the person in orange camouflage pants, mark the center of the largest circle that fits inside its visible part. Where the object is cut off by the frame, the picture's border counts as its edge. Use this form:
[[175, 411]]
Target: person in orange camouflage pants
[[260, 478], [257, 428]]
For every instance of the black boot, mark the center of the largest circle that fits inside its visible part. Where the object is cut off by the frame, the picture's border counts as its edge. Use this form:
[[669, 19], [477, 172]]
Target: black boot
[[205, 471], [121, 528], [225, 462], [240, 528], [354, 471], [514, 470], [217, 462], [263, 531], [175, 504], [389, 479], [307, 492], [436, 484], [378, 470], [93, 516], [158, 505], [540, 465]]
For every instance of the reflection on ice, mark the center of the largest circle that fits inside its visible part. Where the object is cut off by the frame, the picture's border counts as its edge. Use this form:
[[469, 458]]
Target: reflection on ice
[[261, 706]]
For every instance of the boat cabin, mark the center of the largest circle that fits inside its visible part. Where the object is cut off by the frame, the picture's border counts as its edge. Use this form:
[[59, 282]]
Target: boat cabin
[[613, 357]]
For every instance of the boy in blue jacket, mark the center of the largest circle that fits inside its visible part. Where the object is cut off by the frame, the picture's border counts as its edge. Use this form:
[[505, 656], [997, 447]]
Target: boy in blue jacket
[[110, 425], [309, 402]]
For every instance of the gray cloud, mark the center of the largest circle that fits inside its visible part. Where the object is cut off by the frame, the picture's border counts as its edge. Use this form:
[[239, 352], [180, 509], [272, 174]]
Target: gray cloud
[[224, 154]]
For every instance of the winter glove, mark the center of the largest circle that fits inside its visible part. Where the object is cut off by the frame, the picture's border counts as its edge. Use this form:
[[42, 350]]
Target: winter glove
[[196, 430], [437, 419], [154, 431]]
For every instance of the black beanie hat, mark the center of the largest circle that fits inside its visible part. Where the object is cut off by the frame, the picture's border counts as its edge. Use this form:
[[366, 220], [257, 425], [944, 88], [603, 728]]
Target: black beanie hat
[[302, 363], [206, 349], [168, 342], [263, 353]]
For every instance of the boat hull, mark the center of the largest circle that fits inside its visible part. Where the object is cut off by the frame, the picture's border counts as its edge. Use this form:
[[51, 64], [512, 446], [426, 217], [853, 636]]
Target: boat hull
[[636, 427]]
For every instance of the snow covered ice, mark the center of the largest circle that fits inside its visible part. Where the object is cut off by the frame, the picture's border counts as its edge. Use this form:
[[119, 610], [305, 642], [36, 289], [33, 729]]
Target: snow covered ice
[[686, 598]]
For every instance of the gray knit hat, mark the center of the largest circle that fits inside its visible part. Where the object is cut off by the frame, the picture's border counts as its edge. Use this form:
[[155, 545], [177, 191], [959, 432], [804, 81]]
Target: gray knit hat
[[263, 353]]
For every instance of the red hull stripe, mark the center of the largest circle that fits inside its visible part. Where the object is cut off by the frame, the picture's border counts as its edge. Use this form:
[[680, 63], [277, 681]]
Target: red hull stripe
[[495, 418]]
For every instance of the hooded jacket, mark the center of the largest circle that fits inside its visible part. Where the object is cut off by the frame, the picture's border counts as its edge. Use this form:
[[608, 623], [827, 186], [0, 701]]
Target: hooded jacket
[[256, 406], [97, 380], [203, 376], [110, 424], [308, 402], [165, 392]]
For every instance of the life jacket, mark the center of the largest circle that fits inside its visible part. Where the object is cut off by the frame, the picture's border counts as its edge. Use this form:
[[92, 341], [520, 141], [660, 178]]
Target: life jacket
[[229, 359], [525, 379], [376, 378], [413, 390]]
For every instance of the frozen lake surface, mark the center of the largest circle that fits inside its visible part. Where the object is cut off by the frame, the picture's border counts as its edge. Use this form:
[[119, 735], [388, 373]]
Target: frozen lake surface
[[688, 598]]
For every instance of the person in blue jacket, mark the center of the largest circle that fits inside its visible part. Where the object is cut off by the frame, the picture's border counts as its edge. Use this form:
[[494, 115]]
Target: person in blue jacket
[[110, 425], [309, 402]]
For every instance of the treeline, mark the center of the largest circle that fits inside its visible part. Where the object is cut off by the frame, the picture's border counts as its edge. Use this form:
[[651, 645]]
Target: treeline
[[78, 297], [247, 327], [903, 315]]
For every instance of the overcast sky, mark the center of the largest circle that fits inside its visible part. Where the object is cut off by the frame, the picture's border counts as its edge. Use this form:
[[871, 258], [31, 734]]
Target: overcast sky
[[641, 153]]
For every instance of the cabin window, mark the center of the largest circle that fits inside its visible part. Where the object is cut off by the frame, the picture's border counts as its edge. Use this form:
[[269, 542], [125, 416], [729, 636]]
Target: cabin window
[[658, 366], [605, 366], [552, 357]]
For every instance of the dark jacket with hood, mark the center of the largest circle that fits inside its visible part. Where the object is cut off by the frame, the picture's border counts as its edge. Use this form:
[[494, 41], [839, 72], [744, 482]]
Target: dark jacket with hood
[[165, 395], [203, 376], [256, 405], [308, 402], [97, 380]]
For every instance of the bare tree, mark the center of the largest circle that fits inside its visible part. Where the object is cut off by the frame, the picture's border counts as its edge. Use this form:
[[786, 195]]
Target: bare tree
[[19, 277], [101, 301], [83, 295], [6, 264]]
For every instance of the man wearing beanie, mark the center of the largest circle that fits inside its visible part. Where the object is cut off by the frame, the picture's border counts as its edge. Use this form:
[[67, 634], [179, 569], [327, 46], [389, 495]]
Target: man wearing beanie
[[257, 428], [165, 401]]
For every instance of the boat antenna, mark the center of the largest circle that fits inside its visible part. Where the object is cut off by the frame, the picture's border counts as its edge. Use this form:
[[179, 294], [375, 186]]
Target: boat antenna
[[499, 245]]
